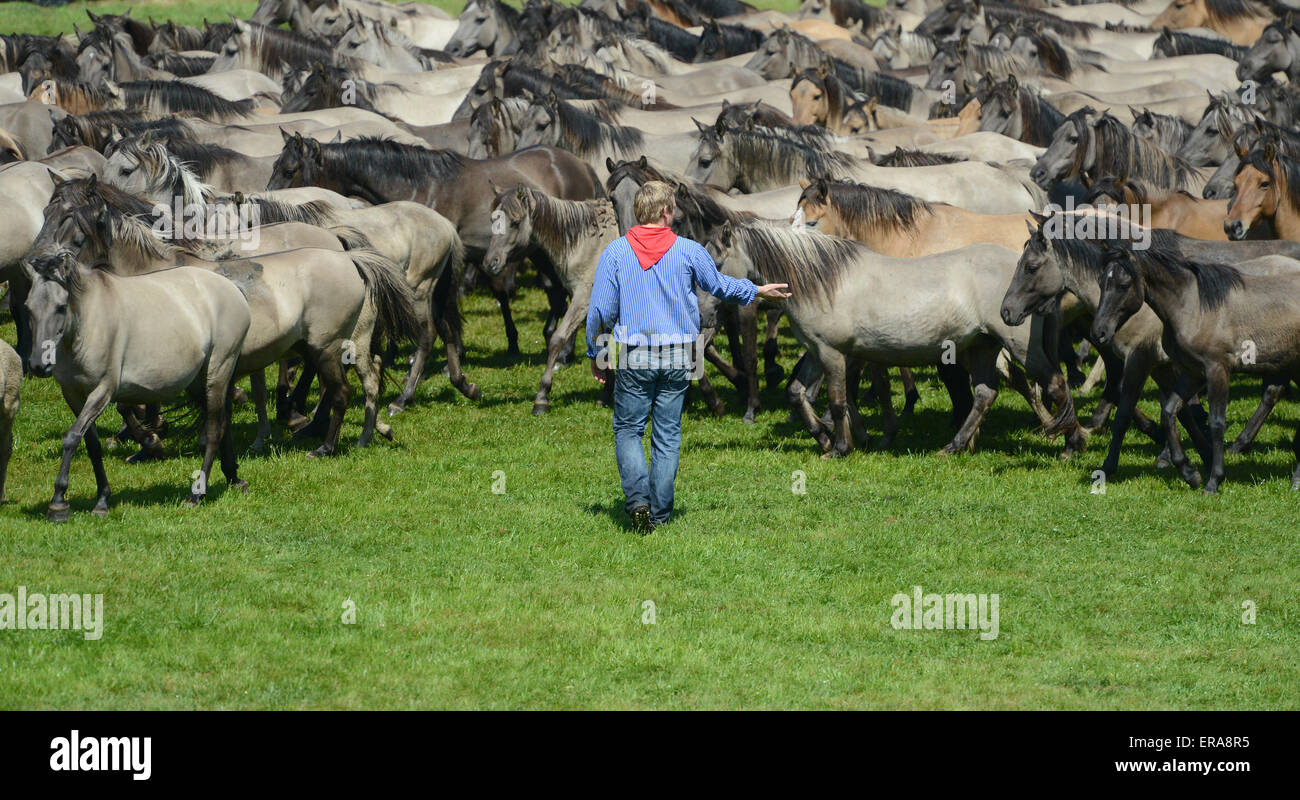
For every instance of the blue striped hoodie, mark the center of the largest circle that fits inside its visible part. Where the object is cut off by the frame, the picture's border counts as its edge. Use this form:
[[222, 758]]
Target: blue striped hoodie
[[629, 301]]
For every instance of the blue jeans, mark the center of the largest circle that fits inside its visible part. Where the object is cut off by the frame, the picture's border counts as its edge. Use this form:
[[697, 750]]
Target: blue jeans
[[643, 392]]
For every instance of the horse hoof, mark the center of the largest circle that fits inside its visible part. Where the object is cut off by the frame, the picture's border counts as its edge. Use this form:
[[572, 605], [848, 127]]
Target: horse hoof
[[240, 484], [748, 419], [145, 455], [474, 393], [394, 409], [720, 410], [100, 512], [59, 513], [1195, 480], [1162, 463], [1237, 448], [320, 452], [386, 432], [194, 501], [831, 454], [540, 409], [258, 447]]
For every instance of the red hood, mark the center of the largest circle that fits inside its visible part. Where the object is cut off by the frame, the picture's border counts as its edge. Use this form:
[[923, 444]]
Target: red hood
[[650, 244]]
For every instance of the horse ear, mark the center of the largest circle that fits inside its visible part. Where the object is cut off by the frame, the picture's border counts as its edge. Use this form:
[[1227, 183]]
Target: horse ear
[[804, 183], [701, 126], [285, 135], [1033, 229], [92, 181], [1270, 151], [338, 137], [824, 68], [1038, 218], [313, 149], [872, 103], [56, 178], [609, 164], [496, 190], [641, 162], [1013, 83]]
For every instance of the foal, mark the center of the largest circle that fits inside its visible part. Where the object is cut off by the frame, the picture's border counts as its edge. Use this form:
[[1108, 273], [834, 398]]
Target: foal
[[1214, 317]]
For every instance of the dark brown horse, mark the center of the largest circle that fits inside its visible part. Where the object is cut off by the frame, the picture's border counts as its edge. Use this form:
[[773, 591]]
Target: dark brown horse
[[458, 187]]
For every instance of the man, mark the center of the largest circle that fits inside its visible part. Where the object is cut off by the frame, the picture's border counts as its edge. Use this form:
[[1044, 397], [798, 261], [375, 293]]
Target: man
[[645, 292]]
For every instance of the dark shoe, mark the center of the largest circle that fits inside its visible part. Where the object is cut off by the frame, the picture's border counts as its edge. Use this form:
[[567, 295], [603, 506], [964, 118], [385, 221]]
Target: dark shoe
[[641, 520]]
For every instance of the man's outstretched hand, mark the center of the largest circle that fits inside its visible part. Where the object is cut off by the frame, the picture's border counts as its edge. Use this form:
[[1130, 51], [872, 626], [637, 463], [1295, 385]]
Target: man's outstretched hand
[[773, 291], [601, 374]]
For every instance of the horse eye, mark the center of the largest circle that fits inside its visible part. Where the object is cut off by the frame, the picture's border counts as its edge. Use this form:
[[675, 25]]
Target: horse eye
[[1263, 184]]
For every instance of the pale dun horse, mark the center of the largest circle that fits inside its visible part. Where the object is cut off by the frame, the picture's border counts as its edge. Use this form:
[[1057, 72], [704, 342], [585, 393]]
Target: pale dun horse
[[140, 339]]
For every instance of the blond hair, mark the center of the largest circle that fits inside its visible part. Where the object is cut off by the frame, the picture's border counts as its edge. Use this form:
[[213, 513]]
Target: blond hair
[[651, 200]]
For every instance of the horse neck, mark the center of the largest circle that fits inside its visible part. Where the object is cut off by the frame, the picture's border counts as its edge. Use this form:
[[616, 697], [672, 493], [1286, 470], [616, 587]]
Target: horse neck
[[1171, 294], [1286, 218], [126, 260]]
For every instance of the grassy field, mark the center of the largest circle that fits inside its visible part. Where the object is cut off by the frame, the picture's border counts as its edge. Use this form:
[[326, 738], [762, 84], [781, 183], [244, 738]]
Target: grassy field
[[762, 597]]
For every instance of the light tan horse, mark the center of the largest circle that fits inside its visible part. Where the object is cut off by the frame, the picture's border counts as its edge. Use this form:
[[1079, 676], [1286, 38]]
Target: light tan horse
[[1241, 21], [1268, 187]]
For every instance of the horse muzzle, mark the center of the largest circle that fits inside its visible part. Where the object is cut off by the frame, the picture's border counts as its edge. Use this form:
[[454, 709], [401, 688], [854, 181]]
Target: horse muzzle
[[1235, 228]]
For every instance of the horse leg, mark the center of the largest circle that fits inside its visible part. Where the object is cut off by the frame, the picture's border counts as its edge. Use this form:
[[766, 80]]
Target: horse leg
[[880, 385], [807, 369], [96, 453], [749, 336], [1169, 419], [1216, 382], [447, 321], [1132, 379], [335, 391], [87, 413], [257, 380], [772, 370], [1274, 386], [501, 291], [229, 466], [1110, 392], [150, 446], [558, 300], [573, 317], [957, 381], [910, 394], [425, 315], [710, 394], [834, 368], [981, 361], [1095, 375], [19, 287]]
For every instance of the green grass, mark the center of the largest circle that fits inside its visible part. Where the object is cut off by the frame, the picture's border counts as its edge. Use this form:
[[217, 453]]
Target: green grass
[[534, 597], [765, 598]]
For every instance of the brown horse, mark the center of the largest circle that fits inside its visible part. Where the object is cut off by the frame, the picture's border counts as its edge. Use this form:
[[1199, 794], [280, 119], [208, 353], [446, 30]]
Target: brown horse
[[1176, 210], [1268, 187]]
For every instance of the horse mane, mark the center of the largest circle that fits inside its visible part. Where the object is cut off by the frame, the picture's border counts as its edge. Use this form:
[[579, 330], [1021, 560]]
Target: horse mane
[[378, 156], [1053, 54], [1119, 151], [1040, 118], [1178, 43], [728, 38], [1214, 282], [557, 223], [607, 89], [316, 212], [1224, 11], [719, 8], [167, 169], [1282, 168], [863, 206], [847, 12], [902, 157], [585, 133], [764, 156], [129, 217], [272, 47], [811, 263], [183, 65], [517, 78], [1012, 12], [889, 90], [171, 97]]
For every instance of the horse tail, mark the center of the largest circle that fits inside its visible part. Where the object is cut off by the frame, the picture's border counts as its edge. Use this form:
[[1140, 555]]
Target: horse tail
[[394, 299], [352, 238], [446, 290]]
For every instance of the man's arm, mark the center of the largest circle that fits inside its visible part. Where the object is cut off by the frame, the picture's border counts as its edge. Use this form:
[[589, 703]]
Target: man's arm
[[726, 288], [602, 310]]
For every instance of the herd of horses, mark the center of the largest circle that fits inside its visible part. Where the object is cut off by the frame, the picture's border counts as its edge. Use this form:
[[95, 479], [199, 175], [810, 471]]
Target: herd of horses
[[941, 183]]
